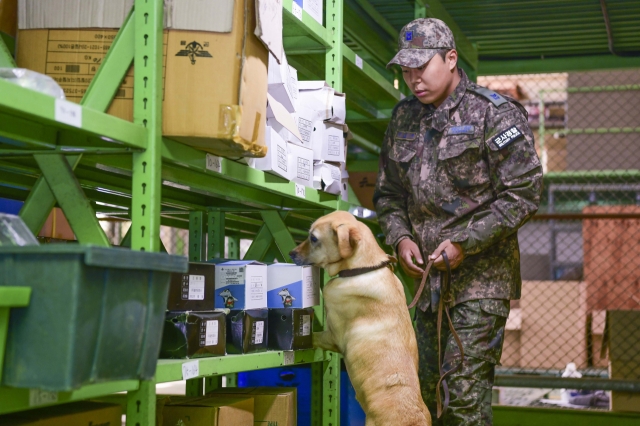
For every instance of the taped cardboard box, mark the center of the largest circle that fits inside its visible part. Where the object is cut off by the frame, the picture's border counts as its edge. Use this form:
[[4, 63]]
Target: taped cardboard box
[[272, 405], [74, 414], [215, 83], [210, 410], [364, 184]]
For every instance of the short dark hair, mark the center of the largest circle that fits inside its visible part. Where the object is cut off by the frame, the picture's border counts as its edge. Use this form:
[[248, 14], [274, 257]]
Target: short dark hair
[[443, 53]]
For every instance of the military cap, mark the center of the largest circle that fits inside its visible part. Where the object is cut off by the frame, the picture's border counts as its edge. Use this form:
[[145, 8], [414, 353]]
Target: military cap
[[420, 40]]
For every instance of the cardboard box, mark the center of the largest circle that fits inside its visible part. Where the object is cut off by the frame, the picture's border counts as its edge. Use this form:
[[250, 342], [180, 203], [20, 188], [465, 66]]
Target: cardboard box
[[328, 142], [595, 327], [9, 17], [322, 101], [327, 177], [364, 184], [241, 284], [301, 164], [622, 339], [272, 405], [57, 226], [194, 335], [247, 331], [193, 291], [553, 330], [292, 286], [283, 82], [290, 329], [75, 414], [284, 122], [223, 115], [277, 159], [209, 411]]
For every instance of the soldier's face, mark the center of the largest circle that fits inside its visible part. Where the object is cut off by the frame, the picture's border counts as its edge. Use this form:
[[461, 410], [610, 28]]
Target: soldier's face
[[431, 83]]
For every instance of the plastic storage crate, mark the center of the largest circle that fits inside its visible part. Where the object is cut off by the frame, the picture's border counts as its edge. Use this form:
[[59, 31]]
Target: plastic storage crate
[[96, 314]]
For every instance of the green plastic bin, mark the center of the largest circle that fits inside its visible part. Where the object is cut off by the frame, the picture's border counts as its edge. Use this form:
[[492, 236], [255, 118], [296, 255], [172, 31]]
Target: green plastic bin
[[96, 314]]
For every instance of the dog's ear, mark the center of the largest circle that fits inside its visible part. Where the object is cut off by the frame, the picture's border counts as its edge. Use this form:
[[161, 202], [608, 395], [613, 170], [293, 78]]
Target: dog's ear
[[348, 238]]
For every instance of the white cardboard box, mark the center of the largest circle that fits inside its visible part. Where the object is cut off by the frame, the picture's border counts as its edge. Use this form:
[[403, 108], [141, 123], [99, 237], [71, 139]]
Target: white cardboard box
[[328, 142], [195, 15], [283, 122], [283, 82], [325, 103], [277, 159], [241, 284], [327, 177], [292, 286], [301, 165]]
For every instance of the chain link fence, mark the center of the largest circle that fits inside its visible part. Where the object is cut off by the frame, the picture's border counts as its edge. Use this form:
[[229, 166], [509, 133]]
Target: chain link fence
[[580, 255]]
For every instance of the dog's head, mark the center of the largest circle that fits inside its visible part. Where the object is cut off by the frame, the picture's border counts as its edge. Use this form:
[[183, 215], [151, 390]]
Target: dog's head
[[333, 239]]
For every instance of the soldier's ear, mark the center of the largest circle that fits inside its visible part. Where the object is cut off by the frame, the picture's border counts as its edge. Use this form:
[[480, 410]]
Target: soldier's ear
[[452, 59]]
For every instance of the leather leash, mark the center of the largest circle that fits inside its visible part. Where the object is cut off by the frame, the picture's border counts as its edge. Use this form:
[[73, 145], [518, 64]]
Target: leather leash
[[442, 306]]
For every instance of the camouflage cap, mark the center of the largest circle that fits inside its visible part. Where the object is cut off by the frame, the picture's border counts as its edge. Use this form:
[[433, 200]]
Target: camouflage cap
[[420, 40]]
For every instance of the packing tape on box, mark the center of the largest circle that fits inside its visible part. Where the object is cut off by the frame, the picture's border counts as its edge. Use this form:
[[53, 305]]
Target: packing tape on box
[[229, 130]]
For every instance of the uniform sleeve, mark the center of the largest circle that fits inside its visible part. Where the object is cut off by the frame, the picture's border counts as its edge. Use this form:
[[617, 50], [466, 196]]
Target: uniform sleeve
[[516, 178], [390, 197]]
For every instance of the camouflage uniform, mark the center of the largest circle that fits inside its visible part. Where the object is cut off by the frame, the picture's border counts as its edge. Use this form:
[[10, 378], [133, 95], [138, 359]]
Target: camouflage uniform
[[466, 171]]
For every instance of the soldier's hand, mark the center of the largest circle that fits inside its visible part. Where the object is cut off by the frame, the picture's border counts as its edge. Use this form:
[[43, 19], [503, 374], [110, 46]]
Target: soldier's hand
[[408, 251], [454, 253]]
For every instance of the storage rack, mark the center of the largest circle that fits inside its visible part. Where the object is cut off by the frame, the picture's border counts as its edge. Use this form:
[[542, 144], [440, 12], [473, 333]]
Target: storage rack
[[77, 157]]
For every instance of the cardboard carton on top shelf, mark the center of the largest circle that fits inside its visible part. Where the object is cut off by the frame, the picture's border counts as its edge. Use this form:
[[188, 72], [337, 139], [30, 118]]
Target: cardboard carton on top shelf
[[301, 164], [328, 142], [215, 82]]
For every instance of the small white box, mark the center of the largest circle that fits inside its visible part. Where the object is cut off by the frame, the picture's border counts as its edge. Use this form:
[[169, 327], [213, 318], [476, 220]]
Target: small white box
[[327, 177], [328, 142], [301, 165], [292, 286], [241, 284], [325, 103], [283, 82], [277, 159]]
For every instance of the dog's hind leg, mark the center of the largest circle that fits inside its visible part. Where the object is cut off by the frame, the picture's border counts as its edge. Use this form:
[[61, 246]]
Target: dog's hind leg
[[324, 340]]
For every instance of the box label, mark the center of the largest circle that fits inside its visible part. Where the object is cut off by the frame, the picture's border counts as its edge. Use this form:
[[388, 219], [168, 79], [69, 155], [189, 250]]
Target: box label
[[209, 333], [335, 174], [232, 276], [190, 370], [314, 8], [195, 288], [305, 327], [306, 128], [304, 168], [257, 334], [257, 288], [333, 145], [282, 158]]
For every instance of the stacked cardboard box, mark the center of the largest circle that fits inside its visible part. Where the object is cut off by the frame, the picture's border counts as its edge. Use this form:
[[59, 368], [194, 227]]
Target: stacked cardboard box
[[272, 406], [215, 68], [205, 411], [77, 413]]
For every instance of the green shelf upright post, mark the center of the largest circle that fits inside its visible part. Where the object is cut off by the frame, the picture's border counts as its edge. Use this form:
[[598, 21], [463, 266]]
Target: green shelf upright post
[[233, 246], [216, 225], [141, 405], [147, 111], [335, 30]]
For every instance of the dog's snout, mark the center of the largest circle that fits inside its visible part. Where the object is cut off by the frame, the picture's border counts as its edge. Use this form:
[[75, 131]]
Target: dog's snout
[[293, 254]]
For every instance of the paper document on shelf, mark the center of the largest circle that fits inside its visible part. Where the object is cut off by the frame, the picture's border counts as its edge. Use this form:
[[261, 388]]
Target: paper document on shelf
[[269, 26], [283, 116]]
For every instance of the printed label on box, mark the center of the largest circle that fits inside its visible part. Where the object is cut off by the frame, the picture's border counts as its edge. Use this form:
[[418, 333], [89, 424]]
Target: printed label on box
[[306, 325], [232, 276], [314, 8], [334, 145], [335, 174], [257, 286], [282, 158], [196, 288], [306, 128], [308, 284], [209, 333], [304, 168], [257, 334], [39, 397]]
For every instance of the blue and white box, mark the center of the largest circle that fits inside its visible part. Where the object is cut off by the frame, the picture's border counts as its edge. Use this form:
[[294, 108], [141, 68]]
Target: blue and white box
[[241, 284], [292, 286]]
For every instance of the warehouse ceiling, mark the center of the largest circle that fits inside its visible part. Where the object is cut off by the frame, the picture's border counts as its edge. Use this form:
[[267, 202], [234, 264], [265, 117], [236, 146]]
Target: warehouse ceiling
[[524, 29]]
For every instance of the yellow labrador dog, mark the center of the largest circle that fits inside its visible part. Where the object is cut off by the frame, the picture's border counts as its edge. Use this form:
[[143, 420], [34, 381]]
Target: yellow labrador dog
[[367, 320]]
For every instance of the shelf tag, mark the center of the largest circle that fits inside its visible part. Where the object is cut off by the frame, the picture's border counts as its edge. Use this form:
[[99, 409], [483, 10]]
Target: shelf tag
[[190, 370], [300, 191], [359, 63], [39, 397], [214, 163], [289, 358], [68, 113], [296, 10]]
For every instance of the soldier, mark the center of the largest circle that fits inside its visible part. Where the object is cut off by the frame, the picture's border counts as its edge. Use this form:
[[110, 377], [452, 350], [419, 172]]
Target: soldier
[[458, 173]]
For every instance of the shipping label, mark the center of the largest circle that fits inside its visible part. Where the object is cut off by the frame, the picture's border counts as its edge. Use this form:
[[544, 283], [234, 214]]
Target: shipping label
[[257, 334], [232, 275], [334, 145], [305, 325], [196, 287], [209, 333]]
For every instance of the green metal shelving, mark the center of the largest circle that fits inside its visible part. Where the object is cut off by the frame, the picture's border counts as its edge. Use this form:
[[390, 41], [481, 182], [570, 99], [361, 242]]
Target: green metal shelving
[[77, 157]]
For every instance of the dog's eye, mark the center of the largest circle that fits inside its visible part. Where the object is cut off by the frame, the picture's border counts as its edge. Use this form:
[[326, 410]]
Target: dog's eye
[[313, 238]]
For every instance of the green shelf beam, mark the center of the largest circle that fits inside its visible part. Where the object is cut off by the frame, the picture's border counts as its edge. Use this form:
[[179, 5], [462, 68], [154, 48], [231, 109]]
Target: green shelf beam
[[13, 399], [171, 370], [310, 35], [374, 76], [33, 108]]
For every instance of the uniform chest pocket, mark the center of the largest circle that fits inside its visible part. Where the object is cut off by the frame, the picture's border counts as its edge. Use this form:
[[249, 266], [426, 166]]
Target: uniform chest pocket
[[402, 152], [463, 161]]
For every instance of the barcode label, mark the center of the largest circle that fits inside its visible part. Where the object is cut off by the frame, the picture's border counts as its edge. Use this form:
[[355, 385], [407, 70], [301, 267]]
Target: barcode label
[[258, 333], [306, 325], [72, 68]]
